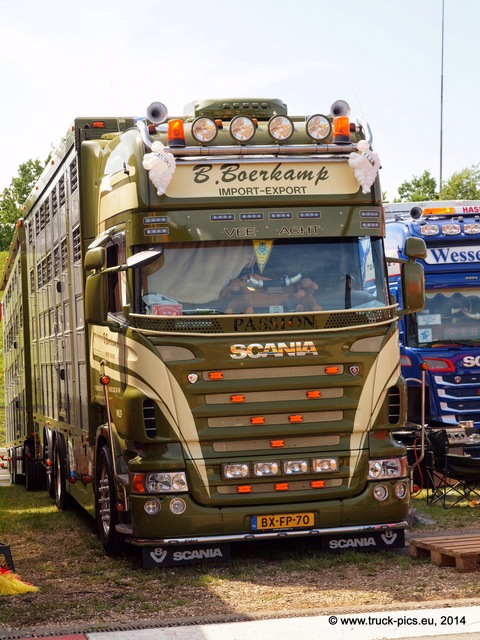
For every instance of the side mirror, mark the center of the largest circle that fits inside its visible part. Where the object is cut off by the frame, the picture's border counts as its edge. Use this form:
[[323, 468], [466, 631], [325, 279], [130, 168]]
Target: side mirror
[[415, 248], [96, 299], [96, 285], [413, 279], [95, 259], [413, 286]]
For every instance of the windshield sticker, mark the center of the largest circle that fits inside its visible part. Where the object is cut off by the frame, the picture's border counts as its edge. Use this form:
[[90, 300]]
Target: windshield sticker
[[263, 248]]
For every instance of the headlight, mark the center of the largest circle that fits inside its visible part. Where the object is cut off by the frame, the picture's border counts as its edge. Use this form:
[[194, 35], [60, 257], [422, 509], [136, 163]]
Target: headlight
[[295, 466], [204, 129], [322, 465], [429, 229], [242, 128], [236, 470], [166, 482], [266, 468], [388, 468], [318, 127], [280, 128]]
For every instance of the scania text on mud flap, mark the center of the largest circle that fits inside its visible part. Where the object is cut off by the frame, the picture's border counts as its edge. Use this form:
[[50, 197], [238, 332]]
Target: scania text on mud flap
[[200, 346]]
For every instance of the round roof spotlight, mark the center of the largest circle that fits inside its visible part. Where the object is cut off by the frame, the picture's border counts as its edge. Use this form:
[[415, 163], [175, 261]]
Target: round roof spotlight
[[280, 128], [204, 129], [318, 127], [242, 128]]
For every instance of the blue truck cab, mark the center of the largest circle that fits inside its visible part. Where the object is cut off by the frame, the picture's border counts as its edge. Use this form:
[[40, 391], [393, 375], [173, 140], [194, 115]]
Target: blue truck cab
[[445, 335]]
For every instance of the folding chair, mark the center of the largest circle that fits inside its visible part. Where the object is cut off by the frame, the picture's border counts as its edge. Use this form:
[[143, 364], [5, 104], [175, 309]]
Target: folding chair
[[450, 474], [6, 561]]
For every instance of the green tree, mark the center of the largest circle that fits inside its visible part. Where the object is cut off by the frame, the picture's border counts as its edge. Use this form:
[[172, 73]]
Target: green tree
[[13, 197], [418, 189], [463, 185]]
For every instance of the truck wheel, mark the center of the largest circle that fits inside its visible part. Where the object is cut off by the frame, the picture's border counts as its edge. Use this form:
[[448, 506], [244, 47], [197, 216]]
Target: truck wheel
[[106, 513], [62, 498]]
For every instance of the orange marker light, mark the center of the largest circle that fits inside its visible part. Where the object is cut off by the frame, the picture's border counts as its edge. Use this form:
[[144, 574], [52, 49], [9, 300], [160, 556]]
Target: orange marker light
[[176, 133], [137, 483], [98, 124], [314, 394], [317, 484], [237, 398], [257, 420], [275, 444], [295, 418], [281, 486], [215, 375], [244, 488], [330, 371]]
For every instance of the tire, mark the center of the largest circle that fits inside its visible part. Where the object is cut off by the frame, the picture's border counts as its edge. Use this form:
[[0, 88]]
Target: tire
[[33, 470], [15, 477], [62, 498], [49, 468], [105, 501]]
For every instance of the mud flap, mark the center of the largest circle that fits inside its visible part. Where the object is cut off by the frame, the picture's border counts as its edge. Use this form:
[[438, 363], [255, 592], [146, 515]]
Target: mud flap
[[175, 555], [365, 541]]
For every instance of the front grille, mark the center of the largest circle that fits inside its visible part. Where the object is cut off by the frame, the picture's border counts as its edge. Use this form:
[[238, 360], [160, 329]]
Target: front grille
[[227, 324]]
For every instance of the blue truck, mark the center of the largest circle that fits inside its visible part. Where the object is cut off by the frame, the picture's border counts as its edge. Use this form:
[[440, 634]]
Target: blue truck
[[445, 335]]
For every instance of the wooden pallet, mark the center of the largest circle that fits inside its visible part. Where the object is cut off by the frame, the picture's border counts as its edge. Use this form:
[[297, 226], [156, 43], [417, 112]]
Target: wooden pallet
[[460, 551]]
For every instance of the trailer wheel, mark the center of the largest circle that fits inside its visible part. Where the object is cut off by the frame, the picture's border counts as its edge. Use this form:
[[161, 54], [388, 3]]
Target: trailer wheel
[[15, 477], [106, 514], [49, 468], [62, 498], [33, 470]]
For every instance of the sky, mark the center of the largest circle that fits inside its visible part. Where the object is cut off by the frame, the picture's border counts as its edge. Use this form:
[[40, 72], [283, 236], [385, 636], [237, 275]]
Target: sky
[[60, 59]]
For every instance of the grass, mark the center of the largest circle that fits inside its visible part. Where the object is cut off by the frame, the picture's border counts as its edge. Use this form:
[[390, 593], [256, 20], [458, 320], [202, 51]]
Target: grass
[[463, 515], [80, 588]]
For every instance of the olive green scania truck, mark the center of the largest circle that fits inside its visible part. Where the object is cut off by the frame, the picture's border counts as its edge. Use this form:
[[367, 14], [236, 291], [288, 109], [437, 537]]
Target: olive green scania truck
[[200, 347]]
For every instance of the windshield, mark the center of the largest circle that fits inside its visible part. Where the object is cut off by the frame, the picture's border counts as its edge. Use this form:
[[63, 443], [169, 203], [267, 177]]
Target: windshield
[[449, 316], [263, 276]]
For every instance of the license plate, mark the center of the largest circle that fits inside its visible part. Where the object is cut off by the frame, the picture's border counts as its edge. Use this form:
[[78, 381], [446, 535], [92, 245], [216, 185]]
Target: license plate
[[283, 521]]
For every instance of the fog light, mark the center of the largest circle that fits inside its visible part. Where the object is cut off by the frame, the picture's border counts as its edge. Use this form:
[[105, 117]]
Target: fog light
[[242, 128], [280, 128], [152, 507], [380, 492], [318, 127], [177, 506], [400, 490], [204, 129]]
